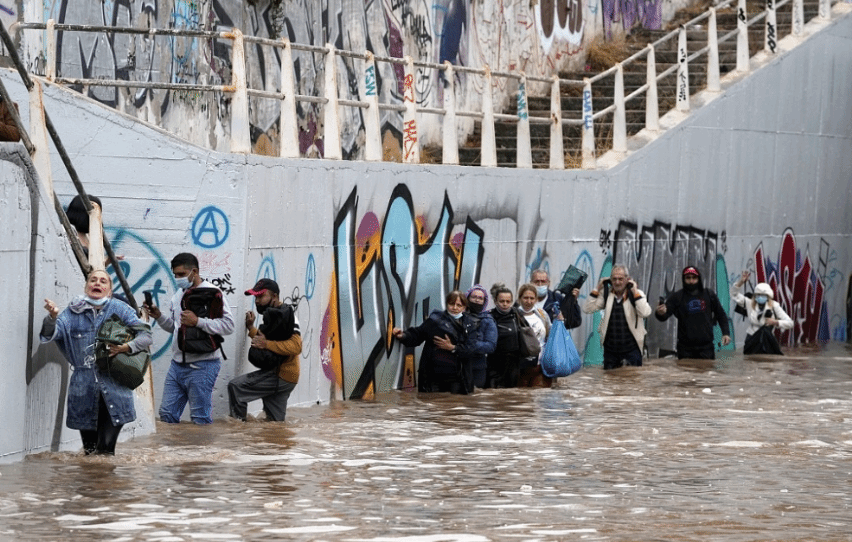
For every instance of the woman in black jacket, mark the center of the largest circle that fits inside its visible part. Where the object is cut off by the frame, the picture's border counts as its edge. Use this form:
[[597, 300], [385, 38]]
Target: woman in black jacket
[[444, 366], [504, 363]]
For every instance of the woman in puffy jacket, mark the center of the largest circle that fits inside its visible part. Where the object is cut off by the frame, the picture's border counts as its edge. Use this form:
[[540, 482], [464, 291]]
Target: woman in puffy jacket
[[444, 362], [762, 311], [504, 364], [481, 334]]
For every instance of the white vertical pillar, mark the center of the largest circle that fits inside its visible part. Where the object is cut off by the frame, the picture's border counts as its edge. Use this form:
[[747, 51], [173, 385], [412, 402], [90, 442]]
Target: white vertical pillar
[[372, 131], [289, 131], [742, 37], [770, 42], [588, 144], [410, 143], [50, 68], [522, 144], [557, 149], [39, 138], [97, 257], [798, 22], [713, 81], [451, 139], [825, 9], [682, 72], [488, 145], [331, 118], [652, 104], [240, 130], [619, 120]]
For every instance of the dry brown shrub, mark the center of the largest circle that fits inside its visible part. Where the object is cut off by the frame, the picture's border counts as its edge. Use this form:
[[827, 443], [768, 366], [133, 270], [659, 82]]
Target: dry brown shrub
[[602, 54]]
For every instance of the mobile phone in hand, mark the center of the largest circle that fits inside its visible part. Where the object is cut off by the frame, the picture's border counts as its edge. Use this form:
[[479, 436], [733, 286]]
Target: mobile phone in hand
[[149, 300], [662, 301]]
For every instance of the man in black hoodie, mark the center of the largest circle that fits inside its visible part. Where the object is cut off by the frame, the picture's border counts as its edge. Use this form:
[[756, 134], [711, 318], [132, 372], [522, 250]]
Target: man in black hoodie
[[696, 310]]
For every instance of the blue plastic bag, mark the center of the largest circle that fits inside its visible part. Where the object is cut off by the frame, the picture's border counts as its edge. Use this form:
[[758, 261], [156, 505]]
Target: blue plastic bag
[[560, 357]]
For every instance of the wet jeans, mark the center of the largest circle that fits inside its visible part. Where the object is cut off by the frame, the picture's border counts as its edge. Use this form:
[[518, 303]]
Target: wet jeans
[[191, 382], [614, 360]]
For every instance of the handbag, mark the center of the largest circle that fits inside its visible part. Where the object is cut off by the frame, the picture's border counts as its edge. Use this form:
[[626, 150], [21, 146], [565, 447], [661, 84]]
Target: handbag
[[528, 345], [560, 357], [126, 369]]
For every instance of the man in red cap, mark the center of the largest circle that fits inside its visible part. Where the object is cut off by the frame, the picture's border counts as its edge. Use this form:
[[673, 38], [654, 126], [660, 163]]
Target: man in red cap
[[696, 309], [275, 350]]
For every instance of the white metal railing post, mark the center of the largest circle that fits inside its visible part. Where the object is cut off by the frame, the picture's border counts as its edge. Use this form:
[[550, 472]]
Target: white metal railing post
[[742, 37], [557, 146], [619, 120], [50, 68], [289, 131], [770, 41], [451, 138], [410, 143], [713, 81], [825, 9], [96, 239], [682, 72], [372, 130], [488, 144], [331, 118], [652, 104], [588, 144], [798, 18], [240, 128], [523, 147], [39, 138]]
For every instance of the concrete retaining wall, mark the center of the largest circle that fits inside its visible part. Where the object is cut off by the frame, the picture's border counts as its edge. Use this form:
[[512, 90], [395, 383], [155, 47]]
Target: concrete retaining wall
[[757, 179]]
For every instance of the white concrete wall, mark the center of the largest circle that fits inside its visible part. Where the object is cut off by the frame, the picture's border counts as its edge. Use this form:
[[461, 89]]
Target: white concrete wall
[[758, 179]]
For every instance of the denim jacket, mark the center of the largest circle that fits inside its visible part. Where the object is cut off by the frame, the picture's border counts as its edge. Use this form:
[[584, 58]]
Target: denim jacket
[[74, 332]]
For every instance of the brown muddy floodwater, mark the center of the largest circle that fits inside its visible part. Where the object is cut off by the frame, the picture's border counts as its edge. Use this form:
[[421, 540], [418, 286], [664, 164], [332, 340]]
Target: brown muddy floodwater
[[734, 450]]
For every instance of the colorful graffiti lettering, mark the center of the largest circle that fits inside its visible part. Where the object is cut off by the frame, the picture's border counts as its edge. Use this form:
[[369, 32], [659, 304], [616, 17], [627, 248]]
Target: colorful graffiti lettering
[[798, 288], [389, 274]]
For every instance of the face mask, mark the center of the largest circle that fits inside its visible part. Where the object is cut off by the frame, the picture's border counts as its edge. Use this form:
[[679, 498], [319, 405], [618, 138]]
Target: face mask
[[455, 316], [475, 308], [761, 299], [502, 310], [260, 308], [183, 283], [96, 302], [541, 291]]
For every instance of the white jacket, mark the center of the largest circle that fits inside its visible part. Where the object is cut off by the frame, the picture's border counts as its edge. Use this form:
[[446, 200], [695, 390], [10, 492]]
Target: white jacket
[[757, 317], [637, 325]]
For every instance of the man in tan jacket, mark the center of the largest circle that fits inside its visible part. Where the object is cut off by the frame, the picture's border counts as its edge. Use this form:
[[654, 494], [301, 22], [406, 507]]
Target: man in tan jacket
[[275, 350], [625, 309]]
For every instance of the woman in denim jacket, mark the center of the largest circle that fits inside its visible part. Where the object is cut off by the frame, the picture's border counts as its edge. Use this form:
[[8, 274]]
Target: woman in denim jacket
[[98, 406]]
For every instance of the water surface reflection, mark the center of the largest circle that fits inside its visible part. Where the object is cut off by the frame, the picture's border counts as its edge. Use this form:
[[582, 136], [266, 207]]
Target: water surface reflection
[[732, 449]]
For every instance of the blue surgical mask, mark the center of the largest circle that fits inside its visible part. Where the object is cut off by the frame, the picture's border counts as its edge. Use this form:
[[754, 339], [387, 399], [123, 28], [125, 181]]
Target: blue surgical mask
[[541, 291], [761, 299], [455, 316], [96, 302], [183, 282]]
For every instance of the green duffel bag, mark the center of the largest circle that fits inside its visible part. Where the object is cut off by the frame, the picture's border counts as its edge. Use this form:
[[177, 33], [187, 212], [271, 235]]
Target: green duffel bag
[[126, 369]]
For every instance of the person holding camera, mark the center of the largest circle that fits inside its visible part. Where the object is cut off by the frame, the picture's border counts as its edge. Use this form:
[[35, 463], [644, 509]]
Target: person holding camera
[[622, 328], [764, 316], [696, 309]]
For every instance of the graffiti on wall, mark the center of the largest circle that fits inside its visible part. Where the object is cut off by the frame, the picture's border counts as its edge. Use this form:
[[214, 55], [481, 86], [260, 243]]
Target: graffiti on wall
[[541, 36], [798, 287], [390, 271], [654, 255], [645, 13]]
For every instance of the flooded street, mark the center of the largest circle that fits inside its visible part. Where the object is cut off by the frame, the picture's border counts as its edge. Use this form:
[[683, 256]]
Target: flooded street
[[735, 450]]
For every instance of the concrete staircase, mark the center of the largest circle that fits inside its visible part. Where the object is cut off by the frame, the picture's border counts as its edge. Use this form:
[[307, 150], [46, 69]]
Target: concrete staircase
[[635, 75]]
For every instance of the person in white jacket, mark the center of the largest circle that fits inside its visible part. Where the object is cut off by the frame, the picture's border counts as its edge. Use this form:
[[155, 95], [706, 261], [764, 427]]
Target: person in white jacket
[[762, 311], [622, 328]]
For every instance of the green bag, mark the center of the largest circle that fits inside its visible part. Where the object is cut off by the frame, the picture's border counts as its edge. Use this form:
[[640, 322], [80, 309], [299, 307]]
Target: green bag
[[126, 369]]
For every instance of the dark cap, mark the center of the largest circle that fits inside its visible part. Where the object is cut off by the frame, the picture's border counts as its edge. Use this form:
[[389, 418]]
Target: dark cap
[[263, 285], [691, 271]]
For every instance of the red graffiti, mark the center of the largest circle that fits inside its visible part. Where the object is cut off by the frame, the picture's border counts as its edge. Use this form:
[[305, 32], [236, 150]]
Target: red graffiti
[[410, 137], [798, 288], [409, 88]]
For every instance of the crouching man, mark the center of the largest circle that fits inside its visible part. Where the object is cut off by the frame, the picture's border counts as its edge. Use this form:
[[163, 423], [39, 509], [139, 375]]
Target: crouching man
[[275, 349]]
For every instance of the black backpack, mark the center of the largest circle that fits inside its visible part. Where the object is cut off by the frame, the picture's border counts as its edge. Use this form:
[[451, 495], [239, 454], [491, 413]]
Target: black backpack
[[278, 325], [204, 303]]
